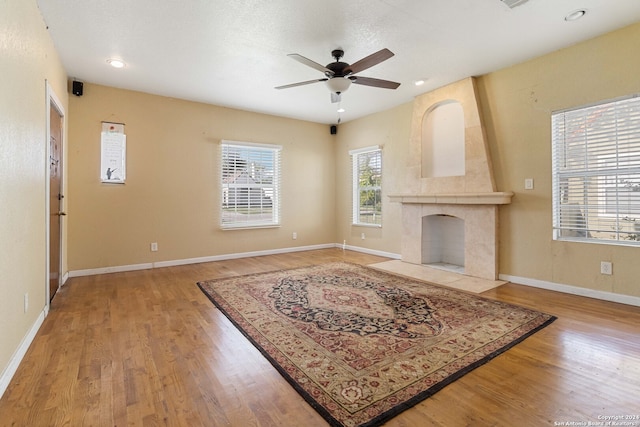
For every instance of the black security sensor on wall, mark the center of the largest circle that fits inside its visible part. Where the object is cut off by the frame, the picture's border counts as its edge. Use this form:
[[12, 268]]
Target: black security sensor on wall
[[77, 88], [333, 129]]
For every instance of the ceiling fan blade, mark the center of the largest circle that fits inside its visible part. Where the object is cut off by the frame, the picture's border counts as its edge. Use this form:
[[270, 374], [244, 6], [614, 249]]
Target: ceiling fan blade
[[370, 61], [368, 81], [335, 97], [308, 82], [306, 61]]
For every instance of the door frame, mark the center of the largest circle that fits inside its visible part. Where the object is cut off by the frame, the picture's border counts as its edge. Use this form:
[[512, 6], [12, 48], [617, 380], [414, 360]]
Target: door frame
[[52, 99]]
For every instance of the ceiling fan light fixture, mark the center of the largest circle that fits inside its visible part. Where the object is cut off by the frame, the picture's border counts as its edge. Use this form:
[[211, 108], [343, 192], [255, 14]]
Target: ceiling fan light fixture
[[338, 84]]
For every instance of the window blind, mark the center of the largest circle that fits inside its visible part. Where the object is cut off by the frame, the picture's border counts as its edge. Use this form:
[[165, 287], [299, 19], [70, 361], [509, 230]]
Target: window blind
[[596, 172], [250, 178], [367, 186]]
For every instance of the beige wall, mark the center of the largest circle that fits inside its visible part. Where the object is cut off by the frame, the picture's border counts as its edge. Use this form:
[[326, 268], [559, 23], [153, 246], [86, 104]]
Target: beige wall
[[27, 59], [171, 195], [517, 104], [391, 130]]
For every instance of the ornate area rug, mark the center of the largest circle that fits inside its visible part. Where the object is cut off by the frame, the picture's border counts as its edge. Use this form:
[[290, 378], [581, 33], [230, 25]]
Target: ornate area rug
[[361, 345]]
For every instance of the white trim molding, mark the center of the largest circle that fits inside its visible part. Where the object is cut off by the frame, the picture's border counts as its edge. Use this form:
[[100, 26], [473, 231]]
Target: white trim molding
[[18, 355], [391, 255], [53, 100], [172, 263], [573, 290], [238, 255], [114, 269]]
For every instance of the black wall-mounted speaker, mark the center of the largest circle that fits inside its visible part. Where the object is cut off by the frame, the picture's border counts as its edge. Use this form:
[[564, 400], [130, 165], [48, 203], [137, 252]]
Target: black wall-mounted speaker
[[76, 88], [333, 129]]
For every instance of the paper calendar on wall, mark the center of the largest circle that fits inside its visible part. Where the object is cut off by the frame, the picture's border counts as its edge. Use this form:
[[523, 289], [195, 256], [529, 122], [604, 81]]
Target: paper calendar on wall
[[113, 165]]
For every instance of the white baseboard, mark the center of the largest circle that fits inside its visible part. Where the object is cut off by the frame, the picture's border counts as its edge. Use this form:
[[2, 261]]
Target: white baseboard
[[115, 269], [239, 255], [573, 290], [171, 263], [369, 251], [18, 355]]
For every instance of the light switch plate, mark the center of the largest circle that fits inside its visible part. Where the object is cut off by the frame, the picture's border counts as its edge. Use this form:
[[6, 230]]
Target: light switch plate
[[528, 184]]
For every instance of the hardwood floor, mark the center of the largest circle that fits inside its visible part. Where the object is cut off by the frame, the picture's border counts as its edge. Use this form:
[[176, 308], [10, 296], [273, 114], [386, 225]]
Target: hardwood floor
[[147, 348]]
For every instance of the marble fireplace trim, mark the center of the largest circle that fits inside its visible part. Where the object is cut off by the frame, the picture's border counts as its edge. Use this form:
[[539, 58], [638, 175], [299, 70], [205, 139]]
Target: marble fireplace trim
[[480, 214], [495, 198]]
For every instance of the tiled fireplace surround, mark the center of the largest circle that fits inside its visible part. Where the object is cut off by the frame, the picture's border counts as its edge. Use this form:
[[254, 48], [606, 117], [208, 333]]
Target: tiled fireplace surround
[[471, 197]]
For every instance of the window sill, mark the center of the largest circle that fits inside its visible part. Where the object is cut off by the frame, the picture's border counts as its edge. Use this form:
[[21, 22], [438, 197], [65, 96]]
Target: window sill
[[249, 227], [627, 243]]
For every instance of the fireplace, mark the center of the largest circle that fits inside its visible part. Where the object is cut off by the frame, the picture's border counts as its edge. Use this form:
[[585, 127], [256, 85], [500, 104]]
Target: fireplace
[[449, 178], [479, 212], [443, 242]]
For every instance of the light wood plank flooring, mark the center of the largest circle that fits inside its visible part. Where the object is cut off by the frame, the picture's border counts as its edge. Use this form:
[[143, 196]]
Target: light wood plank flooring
[[147, 348]]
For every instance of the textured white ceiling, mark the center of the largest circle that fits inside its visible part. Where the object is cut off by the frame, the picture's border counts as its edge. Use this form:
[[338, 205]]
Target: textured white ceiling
[[233, 53]]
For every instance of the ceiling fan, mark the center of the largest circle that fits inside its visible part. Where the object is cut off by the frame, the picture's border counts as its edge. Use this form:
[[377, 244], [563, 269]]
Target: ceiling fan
[[339, 75]]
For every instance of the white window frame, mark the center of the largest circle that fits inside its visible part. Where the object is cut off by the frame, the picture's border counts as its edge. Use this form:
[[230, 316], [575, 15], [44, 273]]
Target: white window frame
[[596, 172], [357, 213], [250, 194]]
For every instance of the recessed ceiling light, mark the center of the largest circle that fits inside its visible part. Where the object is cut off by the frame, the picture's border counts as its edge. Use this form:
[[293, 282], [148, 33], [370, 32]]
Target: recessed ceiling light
[[575, 15], [341, 110], [419, 82], [116, 63]]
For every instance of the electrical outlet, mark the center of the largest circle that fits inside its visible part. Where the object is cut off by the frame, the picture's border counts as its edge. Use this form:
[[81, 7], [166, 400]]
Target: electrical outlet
[[528, 184], [294, 236], [154, 247], [362, 236], [606, 268]]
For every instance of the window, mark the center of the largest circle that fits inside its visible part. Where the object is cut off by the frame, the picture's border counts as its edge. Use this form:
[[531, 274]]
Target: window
[[596, 173], [367, 186], [250, 185]]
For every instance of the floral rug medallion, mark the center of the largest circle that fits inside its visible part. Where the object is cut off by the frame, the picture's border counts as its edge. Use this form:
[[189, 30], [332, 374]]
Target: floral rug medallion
[[361, 345]]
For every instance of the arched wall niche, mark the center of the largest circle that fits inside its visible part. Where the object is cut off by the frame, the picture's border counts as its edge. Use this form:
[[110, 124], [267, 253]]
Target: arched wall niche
[[471, 175], [443, 140]]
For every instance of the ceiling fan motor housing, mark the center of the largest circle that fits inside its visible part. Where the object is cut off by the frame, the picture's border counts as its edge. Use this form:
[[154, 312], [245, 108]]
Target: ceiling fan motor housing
[[338, 68]]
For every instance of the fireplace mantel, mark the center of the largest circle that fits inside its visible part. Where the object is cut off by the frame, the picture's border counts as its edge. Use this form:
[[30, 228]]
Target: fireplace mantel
[[496, 198]]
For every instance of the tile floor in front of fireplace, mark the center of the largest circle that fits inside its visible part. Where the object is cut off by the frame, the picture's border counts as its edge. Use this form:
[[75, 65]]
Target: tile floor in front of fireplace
[[439, 274]]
